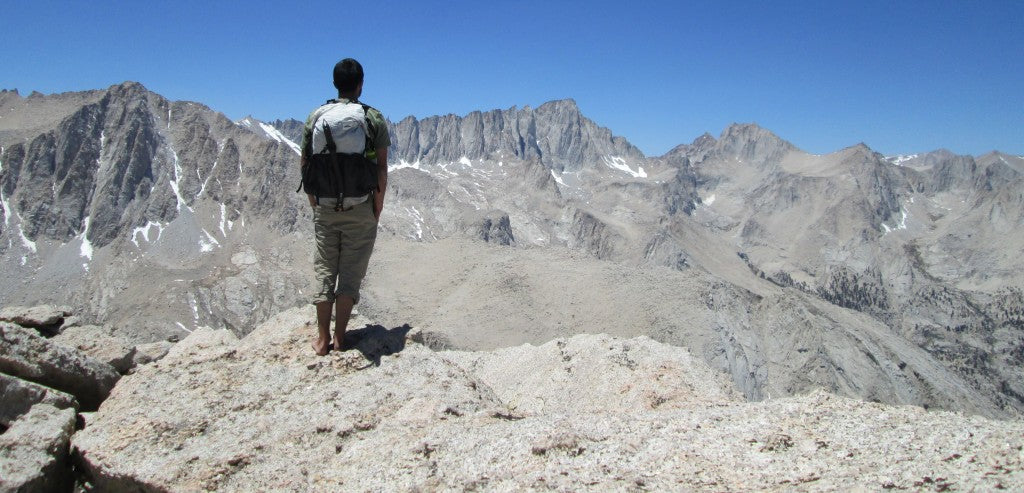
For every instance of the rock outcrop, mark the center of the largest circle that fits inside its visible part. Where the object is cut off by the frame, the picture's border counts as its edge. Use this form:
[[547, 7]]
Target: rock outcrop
[[34, 451], [36, 419], [19, 396], [148, 353], [95, 342], [590, 412], [44, 318], [27, 355]]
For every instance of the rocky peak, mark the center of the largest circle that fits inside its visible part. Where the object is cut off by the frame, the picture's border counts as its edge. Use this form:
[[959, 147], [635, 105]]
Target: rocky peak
[[128, 87], [8, 95], [704, 141], [555, 133], [120, 159], [562, 106], [749, 142], [945, 170], [694, 150]]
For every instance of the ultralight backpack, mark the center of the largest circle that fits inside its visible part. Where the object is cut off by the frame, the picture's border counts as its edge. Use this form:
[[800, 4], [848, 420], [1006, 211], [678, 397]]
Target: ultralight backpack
[[336, 164]]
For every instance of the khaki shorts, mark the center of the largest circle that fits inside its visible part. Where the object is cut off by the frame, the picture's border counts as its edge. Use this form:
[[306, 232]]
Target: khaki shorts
[[344, 242]]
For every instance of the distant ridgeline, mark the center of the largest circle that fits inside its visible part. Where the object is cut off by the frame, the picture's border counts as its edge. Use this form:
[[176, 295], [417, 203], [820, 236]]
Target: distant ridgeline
[[157, 217]]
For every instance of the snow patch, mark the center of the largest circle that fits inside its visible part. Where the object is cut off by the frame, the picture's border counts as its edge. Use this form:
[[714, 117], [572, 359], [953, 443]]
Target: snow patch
[[710, 200], [31, 245], [404, 164], [195, 308], [144, 231], [223, 220], [278, 136], [465, 161], [900, 159], [208, 246], [207, 180], [616, 162], [558, 178], [86, 249], [7, 208], [902, 224], [183, 327], [418, 219], [174, 184]]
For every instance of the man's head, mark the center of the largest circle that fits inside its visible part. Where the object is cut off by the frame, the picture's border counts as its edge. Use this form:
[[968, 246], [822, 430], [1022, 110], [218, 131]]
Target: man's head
[[348, 77]]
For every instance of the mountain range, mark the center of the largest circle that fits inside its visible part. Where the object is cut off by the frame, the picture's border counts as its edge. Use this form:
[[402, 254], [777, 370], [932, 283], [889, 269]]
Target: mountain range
[[887, 278]]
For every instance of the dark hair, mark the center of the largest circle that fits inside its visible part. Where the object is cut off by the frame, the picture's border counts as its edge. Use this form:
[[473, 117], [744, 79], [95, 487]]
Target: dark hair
[[348, 74]]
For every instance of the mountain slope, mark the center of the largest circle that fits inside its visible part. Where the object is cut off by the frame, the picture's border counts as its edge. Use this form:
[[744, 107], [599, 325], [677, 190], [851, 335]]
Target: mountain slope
[[130, 187], [784, 270]]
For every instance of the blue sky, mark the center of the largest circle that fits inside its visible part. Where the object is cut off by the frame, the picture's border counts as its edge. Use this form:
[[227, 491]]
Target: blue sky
[[902, 77]]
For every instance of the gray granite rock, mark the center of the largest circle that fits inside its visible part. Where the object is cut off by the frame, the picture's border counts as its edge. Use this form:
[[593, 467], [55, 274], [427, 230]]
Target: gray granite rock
[[27, 355], [588, 413], [17, 396], [46, 319], [97, 343], [150, 352], [34, 451]]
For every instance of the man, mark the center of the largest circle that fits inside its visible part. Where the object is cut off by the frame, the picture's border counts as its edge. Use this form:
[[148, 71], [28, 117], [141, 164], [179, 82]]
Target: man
[[346, 192]]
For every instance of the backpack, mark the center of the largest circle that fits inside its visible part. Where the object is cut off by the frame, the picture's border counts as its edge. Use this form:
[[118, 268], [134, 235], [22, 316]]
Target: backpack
[[336, 163]]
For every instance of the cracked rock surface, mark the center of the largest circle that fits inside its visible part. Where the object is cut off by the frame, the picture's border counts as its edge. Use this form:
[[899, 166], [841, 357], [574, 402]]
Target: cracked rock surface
[[34, 450], [27, 355], [590, 412]]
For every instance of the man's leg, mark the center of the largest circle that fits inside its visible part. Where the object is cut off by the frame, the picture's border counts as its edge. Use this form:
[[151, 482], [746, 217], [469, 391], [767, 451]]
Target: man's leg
[[343, 306], [359, 234], [323, 322]]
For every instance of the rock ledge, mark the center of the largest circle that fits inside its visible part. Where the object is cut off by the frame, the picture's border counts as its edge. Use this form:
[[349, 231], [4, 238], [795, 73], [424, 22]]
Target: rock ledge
[[587, 413]]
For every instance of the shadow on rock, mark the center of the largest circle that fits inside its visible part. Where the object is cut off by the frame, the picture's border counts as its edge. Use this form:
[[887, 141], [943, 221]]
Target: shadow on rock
[[374, 341]]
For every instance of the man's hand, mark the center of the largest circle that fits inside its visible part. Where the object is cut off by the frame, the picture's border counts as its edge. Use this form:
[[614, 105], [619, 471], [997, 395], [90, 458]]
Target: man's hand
[[382, 182], [378, 205]]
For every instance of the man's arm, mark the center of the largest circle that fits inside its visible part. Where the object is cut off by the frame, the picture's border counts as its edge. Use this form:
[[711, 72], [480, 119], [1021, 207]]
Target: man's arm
[[302, 167], [382, 181]]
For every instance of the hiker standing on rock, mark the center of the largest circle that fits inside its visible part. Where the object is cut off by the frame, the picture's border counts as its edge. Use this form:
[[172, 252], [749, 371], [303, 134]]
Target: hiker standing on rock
[[345, 174]]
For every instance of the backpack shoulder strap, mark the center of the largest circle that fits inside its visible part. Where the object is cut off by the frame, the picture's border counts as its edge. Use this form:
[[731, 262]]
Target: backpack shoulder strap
[[371, 132]]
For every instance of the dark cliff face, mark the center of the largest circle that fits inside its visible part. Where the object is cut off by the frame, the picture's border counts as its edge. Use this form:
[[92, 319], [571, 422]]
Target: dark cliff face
[[133, 157], [555, 134], [109, 196]]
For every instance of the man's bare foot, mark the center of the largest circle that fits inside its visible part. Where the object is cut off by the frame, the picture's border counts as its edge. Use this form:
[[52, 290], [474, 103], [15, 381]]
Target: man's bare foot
[[339, 341], [321, 347]]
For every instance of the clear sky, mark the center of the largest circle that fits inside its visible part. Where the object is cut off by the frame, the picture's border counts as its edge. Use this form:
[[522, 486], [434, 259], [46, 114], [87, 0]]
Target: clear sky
[[900, 76]]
